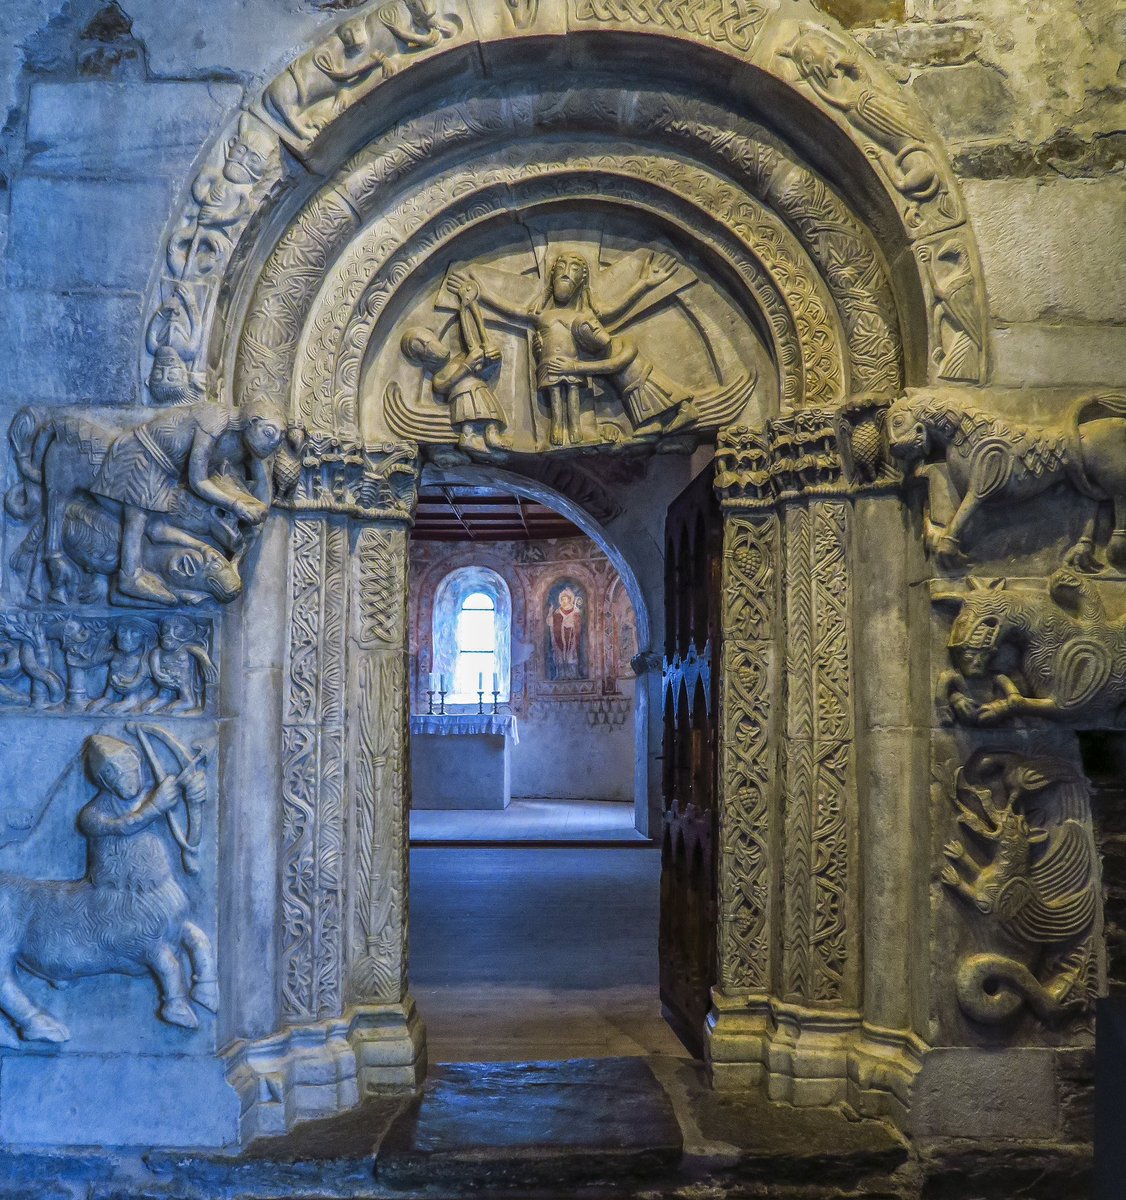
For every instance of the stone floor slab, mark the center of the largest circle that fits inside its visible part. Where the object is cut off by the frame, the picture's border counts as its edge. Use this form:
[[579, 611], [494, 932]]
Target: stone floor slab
[[529, 1125]]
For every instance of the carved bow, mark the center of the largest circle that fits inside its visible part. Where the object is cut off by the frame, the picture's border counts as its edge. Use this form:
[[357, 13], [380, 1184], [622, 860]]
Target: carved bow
[[187, 839]]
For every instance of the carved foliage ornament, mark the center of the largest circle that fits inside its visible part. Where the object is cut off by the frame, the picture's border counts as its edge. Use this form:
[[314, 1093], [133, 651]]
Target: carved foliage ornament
[[1024, 866], [128, 915]]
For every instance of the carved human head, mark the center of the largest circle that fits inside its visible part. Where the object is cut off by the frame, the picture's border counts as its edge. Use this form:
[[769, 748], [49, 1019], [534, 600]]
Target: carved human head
[[591, 337], [422, 346], [263, 426], [979, 629], [907, 432], [569, 275], [113, 765], [130, 636], [170, 381], [248, 152]]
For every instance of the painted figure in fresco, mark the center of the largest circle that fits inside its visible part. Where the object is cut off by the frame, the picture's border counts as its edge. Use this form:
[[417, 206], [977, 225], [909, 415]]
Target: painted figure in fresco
[[565, 367], [180, 667], [344, 62], [128, 915], [128, 683], [460, 379], [565, 634]]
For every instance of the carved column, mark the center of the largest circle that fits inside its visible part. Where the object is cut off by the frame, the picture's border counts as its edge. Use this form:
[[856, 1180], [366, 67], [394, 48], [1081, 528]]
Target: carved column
[[344, 858], [788, 1010], [820, 938]]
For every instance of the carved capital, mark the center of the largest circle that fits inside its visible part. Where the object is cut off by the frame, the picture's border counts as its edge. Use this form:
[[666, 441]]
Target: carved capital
[[810, 452], [371, 482]]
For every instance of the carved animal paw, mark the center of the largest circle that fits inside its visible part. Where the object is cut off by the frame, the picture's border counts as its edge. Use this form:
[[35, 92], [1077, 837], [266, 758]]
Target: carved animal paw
[[954, 849], [205, 992], [42, 1028], [1082, 558], [950, 877], [948, 553], [995, 710], [179, 1012]]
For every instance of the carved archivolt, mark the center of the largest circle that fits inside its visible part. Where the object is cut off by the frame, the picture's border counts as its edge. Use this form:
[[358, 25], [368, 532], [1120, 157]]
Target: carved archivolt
[[824, 69]]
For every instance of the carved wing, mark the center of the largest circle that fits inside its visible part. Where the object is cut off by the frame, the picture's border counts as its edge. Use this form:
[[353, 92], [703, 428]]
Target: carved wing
[[1062, 904], [1083, 669], [428, 425], [611, 285], [722, 405]]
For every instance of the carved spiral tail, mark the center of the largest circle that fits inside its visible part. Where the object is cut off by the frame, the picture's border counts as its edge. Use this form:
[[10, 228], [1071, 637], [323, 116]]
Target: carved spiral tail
[[23, 499], [992, 988]]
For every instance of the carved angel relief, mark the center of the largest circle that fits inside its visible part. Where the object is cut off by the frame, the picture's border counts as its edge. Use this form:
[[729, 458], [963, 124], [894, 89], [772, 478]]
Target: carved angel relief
[[590, 381], [1025, 866]]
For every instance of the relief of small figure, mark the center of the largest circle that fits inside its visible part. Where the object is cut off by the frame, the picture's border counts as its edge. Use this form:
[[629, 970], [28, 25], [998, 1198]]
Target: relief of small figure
[[422, 27], [181, 668], [220, 200], [129, 682], [128, 915], [26, 635], [459, 378], [145, 467], [85, 646], [344, 63]]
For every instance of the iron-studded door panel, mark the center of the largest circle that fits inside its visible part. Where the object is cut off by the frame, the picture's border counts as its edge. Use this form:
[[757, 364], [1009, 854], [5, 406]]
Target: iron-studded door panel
[[693, 552]]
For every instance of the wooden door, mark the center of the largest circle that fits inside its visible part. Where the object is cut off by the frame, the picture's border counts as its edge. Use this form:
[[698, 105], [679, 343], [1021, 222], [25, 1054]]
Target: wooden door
[[693, 553]]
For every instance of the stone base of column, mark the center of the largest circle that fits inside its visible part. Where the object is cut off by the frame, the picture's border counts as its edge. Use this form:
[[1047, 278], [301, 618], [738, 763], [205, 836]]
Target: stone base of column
[[317, 1070], [811, 1057]]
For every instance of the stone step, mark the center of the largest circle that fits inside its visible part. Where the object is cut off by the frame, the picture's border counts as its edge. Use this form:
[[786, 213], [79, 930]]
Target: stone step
[[558, 1125]]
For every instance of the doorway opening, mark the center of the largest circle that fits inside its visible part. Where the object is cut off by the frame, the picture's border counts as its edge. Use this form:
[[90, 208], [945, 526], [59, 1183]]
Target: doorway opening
[[535, 886]]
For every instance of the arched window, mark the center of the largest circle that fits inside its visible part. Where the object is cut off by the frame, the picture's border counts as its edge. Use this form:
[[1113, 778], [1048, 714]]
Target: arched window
[[472, 634], [475, 666]]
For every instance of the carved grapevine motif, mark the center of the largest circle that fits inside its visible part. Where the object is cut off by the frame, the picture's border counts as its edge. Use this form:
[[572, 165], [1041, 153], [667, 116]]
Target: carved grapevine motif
[[749, 575], [313, 773]]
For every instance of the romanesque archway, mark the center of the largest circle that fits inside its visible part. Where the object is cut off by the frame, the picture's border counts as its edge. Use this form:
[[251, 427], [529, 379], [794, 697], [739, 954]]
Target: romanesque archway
[[792, 244]]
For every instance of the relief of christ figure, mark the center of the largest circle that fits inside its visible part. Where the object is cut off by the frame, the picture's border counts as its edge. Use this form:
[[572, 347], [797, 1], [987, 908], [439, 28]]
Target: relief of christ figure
[[575, 338]]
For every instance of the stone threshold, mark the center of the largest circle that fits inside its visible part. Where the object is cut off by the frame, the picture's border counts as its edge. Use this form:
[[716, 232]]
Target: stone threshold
[[588, 1129]]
